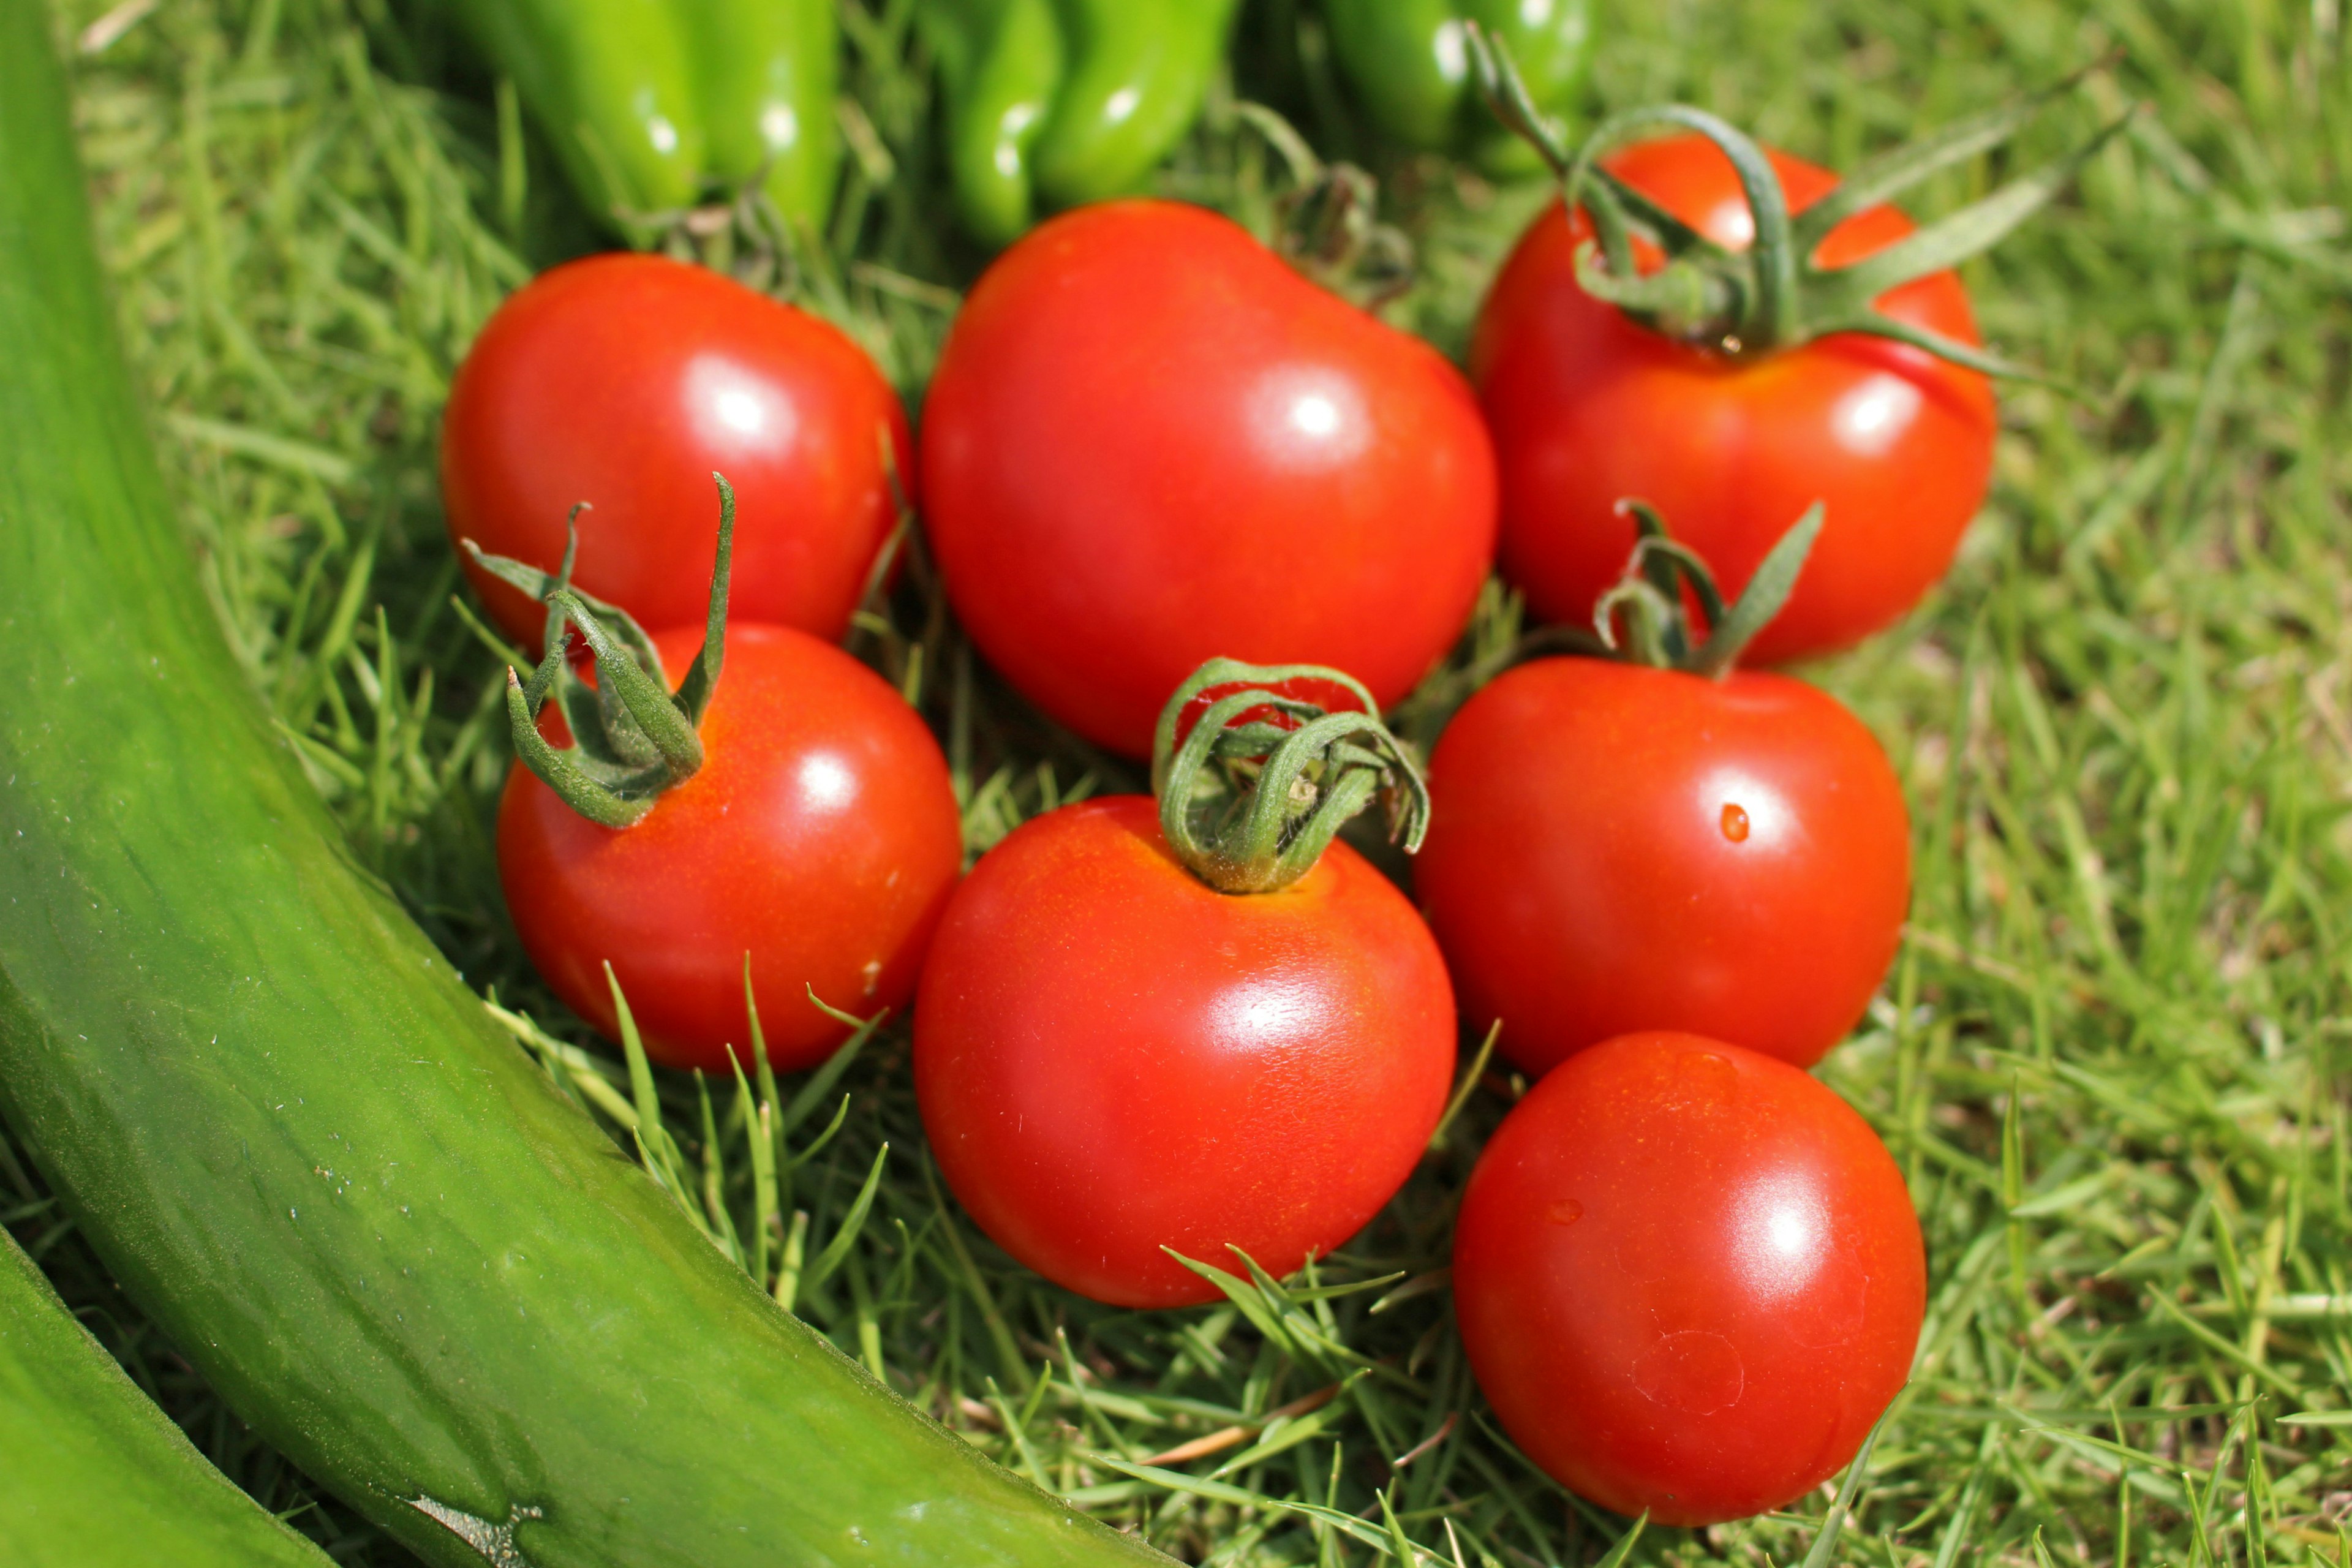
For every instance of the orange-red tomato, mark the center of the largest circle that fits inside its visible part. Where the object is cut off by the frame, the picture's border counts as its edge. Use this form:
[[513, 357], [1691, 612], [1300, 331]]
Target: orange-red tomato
[[821, 837], [1588, 407], [1150, 443], [625, 381], [1112, 1058], [1615, 847], [1689, 1278]]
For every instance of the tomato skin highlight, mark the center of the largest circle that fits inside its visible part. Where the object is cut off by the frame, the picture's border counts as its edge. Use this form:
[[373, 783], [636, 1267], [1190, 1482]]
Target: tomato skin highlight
[[1615, 847], [1588, 407], [624, 381], [1689, 1278], [820, 836], [1110, 1057], [1151, 442]]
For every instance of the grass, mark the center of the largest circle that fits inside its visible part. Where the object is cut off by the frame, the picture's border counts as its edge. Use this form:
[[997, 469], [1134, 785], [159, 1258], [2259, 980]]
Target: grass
[[2111, 1056]]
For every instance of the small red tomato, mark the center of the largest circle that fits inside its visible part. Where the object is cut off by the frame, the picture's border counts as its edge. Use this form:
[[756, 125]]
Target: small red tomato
[[1615, 847], [1588, 407], [821, 837], [1112, 1058], [1151, 442], [625, 381], [1689, 1278]]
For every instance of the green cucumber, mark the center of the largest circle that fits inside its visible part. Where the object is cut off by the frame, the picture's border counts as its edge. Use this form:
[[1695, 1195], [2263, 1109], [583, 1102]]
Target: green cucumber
[[91, 1474], [290, 1131]]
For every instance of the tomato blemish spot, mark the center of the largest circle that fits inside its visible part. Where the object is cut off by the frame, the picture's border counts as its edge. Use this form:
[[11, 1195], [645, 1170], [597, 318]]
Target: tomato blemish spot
[[1568, 1211], [1692, 1370], [1735, 822]]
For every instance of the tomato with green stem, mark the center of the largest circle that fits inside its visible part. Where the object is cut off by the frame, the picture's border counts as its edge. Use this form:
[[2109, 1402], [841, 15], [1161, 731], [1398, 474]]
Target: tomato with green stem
[[796, 816], [1734, 335], [1689, 1276], [1618, 845], [1193, 1028], [1151, 442], [623, 382]]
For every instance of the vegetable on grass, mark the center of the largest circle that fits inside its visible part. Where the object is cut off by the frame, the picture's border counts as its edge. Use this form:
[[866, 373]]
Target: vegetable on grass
[[623, 382], [1410, 64], [2170, 1149], [1052, 103], [654, 105], [1151, 442], [1734, 335], [1689, 1278], [1148, 1034], [793, 822], [376, 1228], [91, 1474], [1661, 841]]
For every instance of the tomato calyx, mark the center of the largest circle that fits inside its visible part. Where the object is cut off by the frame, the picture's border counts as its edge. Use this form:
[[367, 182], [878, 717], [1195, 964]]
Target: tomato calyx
[[1645, 618], [1773, 294], [1256, 769], [742, 235], [1327, 226], [634, 737]]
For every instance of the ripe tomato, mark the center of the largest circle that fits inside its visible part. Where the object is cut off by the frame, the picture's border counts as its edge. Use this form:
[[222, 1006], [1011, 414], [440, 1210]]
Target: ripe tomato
[[1151, 442], [1689, 1276], [1588, 407], [1615, 847], [821, 837], [1112, 1058], [624, 381]]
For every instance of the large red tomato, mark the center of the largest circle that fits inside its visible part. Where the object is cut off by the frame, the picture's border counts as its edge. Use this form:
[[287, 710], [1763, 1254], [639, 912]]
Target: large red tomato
[[821, 837], [1689, 1276], [1151, 442], [1588, 408], [1615, 847], [1112, 1058], [625, 381]]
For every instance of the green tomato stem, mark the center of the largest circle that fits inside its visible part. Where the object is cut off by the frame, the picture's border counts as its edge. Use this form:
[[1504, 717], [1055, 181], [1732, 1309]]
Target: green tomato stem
[[1773, 295], [633, 737], [1253, 792]]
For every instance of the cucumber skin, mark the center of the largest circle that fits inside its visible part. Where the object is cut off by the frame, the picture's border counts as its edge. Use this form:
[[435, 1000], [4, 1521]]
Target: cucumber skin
[[91, 1474], [291, 1131]]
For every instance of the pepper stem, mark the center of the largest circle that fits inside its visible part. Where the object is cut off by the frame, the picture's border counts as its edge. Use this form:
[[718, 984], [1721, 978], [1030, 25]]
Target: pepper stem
[[1257, 766], [634, 737]]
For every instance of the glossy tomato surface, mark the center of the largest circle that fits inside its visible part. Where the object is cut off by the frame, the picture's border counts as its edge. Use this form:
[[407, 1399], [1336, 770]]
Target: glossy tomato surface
[[625, 381], [1689, 1278], [1588, 407], [1112, 1058], [821, 838], [1615, 847], [1151, 442]]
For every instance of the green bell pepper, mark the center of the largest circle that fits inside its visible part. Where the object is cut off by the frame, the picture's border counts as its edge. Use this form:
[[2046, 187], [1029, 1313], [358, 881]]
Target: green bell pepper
[[656, 105], [1409, 62], [1056, 103]]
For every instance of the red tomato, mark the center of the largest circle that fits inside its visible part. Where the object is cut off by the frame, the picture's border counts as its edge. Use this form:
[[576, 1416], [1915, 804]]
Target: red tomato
[[1689, 1278], [1588, 407], [1151, 442], [821, 837], [1615, 847], [625, 381], [1112, 1058]]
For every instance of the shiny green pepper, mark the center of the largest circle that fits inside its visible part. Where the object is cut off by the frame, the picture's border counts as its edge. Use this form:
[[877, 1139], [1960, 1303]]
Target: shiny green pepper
[[1409, 62], [768, 70], [1055, 102], [654, 105]]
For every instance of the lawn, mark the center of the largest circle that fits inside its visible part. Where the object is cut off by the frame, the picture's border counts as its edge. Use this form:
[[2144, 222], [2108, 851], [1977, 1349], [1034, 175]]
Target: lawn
[[2112, 1057]]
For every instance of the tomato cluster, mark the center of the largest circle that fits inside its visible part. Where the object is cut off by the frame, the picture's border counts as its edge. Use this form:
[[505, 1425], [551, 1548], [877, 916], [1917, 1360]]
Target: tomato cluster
[[1152, 1033]]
